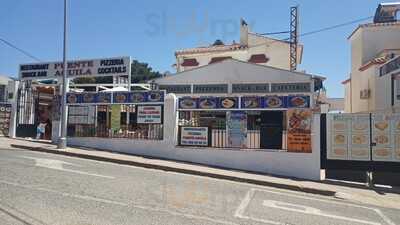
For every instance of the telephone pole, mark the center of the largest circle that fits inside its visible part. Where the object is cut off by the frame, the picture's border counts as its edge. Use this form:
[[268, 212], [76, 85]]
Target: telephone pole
[[62, 143]]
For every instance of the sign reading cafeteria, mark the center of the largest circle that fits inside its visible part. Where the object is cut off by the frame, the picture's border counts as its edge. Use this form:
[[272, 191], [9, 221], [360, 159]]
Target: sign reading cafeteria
[[149, 114], [117, 66]]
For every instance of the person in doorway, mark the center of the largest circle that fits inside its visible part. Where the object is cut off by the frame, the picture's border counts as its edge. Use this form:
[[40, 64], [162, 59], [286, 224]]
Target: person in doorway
[[40, 130]]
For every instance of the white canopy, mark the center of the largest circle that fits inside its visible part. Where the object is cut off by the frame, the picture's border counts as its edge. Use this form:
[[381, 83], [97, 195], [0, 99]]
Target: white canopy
[[115, 89]]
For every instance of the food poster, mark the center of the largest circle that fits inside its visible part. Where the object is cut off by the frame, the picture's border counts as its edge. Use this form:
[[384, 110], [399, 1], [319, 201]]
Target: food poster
[[207, 103], [339, 126], [275, 102], [115, 117], [237, 129], [359, 144], [121, 97], [188, 103], [383, 148], [299, 130], [228, 102], [298, 101], [250, 102]]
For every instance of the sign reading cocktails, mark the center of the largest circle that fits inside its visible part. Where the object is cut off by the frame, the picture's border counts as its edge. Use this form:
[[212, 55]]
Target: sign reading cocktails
[[118, 66]]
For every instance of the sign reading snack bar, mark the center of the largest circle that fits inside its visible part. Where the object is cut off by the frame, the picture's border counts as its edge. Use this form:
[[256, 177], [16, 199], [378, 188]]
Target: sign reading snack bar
[[299, 130], [117, 66], [149, 114], [194, 136]]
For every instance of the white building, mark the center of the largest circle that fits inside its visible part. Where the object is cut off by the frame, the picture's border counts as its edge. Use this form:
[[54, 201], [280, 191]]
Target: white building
[[373, 46], [4, 83], [252, 47]]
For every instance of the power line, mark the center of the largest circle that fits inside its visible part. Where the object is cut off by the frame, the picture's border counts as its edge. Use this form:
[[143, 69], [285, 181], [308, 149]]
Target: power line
[[19, 49], [320, 30]]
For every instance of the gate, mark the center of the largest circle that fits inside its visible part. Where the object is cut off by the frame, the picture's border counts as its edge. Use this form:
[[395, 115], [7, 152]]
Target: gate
[[27, 103], [361, 142]]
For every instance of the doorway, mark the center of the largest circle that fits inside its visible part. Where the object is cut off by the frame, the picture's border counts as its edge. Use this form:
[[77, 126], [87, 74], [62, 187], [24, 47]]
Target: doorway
[[271, 129]]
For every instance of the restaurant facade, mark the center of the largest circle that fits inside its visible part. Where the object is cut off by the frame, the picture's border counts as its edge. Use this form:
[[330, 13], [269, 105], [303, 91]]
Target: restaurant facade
[[230, 114]]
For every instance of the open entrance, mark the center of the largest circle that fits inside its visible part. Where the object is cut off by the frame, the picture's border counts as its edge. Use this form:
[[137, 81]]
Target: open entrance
[[271, 129], [35, 111]]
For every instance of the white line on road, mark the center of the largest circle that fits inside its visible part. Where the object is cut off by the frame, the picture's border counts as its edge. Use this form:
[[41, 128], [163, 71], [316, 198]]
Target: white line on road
[[250, 194], [59, 165], [84, 197], [311, 211]]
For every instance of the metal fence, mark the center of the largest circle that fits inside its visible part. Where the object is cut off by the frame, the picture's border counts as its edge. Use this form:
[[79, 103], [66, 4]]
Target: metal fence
[[219, 139], [145, 131]]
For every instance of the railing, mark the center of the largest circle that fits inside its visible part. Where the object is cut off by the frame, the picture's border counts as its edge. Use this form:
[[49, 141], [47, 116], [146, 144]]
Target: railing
[[219, 139], [147, 131]]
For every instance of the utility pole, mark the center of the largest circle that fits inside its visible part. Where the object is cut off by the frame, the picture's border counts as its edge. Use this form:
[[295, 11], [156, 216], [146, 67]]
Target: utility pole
[[62, 143], [294, 33]]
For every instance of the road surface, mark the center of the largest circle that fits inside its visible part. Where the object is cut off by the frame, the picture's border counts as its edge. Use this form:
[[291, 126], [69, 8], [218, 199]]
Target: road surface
[[39, 188]]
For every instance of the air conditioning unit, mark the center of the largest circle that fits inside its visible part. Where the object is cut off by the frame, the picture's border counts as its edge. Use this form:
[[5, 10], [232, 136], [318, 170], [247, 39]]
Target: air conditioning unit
[[365, 94]]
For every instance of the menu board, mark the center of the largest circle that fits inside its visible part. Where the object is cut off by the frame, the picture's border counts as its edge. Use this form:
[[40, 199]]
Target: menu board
[[154, 97], [338, 132], [383, 133], [237, 129], [349, 137], [5, 116], [194, 136], [359, 136], [149, 114], [299, 130]]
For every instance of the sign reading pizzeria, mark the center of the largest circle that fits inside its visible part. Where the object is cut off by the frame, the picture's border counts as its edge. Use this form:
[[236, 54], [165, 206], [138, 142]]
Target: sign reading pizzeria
[[118, 66]]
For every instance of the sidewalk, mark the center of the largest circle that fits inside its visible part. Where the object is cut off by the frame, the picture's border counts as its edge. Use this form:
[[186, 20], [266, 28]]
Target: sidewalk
[[383, 197]]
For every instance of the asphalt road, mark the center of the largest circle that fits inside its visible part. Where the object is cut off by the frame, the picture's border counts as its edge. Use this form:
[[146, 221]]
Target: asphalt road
[[40, 188]]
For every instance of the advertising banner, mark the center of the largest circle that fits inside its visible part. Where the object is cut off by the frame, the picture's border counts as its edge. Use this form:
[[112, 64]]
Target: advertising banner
[[194, 136], [118, 66], [115, 117], [149, 114], [299, 130], [383, 132], [338, 133], [237, 129], [359, 137]]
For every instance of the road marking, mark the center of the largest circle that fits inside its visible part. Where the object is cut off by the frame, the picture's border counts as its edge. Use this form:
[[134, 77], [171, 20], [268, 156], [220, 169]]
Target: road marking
[[102, 200], [310, 211], [59, 165], [84, 197], [239, 213]]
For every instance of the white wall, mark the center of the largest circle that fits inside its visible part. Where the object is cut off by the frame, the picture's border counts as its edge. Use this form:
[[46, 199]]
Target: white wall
[[300, 165]]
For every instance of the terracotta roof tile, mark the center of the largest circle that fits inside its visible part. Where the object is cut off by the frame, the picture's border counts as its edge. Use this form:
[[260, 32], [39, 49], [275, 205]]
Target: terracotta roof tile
[[216, 48], [376, 61]]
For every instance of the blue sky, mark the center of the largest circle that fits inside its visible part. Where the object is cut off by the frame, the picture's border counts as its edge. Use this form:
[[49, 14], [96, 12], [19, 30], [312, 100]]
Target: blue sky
[[150, 31]]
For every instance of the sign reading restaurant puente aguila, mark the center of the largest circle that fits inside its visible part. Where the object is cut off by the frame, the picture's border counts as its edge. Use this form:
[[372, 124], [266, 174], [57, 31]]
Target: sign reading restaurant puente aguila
[[117, 66]]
